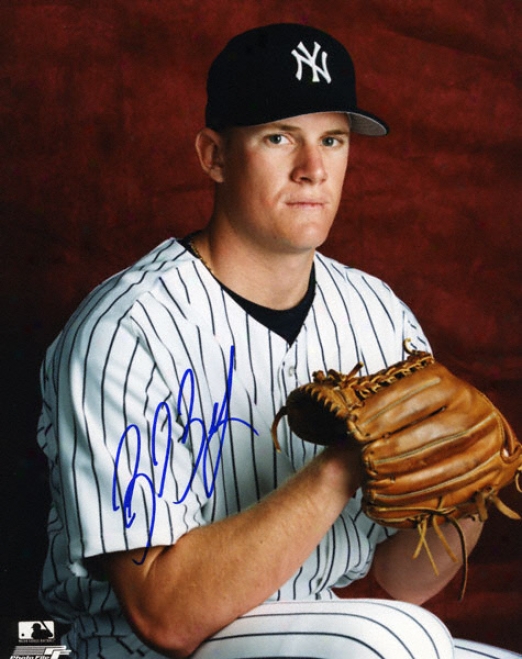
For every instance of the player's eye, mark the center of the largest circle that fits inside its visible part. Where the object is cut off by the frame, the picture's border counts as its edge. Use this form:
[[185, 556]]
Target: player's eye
[[277, 139], [331, 141]]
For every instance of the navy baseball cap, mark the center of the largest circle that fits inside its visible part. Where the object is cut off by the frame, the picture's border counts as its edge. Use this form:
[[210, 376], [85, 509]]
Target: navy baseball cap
[[284, 70]]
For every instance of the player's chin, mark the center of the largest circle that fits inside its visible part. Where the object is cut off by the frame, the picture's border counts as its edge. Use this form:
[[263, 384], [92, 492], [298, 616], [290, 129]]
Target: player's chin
[[306, 241], [313, 234]]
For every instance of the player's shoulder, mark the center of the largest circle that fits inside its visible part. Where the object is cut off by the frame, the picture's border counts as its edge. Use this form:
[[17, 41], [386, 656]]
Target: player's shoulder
[[349, 277], [168, 255], [372, 301], [124, 288], [113, 299]]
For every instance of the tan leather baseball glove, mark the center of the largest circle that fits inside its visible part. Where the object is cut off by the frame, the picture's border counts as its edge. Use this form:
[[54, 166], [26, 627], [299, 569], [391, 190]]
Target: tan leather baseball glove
[[433, 447]]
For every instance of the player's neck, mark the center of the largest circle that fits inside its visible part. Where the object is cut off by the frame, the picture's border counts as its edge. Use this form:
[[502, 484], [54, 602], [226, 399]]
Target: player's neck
[[272, 280]]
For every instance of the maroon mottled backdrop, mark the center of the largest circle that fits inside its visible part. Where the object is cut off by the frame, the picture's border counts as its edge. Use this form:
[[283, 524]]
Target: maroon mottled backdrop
[[99, 105]]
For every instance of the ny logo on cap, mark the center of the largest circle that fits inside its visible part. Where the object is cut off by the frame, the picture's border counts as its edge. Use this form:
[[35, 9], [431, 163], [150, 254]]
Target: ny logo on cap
[[305, 57]]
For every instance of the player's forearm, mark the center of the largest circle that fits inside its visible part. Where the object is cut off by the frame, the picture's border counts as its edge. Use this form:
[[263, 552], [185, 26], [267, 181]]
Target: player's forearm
[[216, 573], [414, 580]]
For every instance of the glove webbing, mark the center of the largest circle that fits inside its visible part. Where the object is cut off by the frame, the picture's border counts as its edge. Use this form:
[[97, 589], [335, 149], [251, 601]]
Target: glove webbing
[[367, 385]]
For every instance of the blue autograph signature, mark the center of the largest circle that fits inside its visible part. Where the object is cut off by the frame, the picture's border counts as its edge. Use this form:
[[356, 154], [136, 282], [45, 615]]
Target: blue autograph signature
[[162, 436]]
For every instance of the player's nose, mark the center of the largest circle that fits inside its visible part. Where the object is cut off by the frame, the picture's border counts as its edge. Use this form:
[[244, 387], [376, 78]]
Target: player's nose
[[309, 164]]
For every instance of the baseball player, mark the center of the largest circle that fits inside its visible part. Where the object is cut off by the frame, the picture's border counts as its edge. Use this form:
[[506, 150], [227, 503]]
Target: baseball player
[[176, 529]]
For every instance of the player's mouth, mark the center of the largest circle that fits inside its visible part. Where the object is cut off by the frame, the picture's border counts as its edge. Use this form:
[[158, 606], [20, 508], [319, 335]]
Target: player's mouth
[[311, 204]]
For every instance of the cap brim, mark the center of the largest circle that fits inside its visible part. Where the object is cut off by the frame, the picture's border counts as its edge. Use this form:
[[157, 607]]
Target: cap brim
[[365, 123]]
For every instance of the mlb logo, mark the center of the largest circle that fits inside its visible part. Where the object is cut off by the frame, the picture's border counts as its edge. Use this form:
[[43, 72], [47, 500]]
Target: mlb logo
[[36, 630]]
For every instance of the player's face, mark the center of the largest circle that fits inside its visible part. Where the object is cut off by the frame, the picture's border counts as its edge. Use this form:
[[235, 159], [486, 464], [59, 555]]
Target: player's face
[[282, 182]]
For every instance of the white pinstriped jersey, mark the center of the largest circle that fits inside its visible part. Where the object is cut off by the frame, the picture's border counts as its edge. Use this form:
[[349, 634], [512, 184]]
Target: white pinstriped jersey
[[158, 400]]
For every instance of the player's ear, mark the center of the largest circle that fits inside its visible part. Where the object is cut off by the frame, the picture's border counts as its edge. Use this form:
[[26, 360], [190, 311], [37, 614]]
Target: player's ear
[[209, 147]]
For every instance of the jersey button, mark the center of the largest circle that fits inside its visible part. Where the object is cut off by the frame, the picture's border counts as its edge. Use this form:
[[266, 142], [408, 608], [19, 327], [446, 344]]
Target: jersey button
[[291, 371]]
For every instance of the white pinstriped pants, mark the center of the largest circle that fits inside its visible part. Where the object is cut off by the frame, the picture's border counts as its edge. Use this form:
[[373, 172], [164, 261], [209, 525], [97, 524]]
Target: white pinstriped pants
[[336, 629], [342, 629]]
